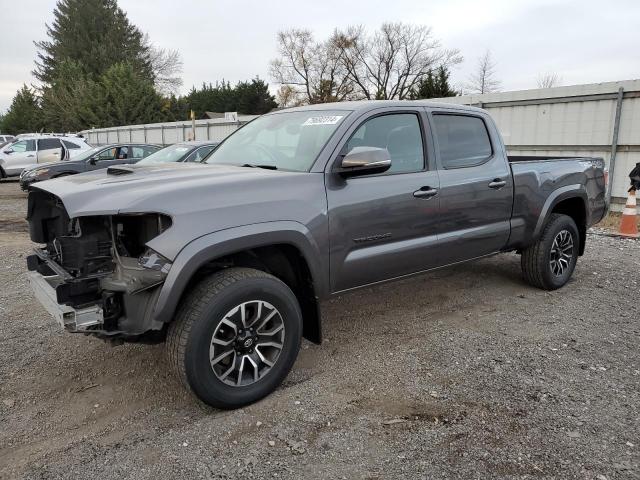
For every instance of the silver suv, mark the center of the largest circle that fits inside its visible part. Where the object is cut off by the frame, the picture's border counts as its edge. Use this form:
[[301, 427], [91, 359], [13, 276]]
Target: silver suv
[[28, 152]]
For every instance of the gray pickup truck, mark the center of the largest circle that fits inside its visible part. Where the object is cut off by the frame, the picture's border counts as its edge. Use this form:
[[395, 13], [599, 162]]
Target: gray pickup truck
[[228, 261]]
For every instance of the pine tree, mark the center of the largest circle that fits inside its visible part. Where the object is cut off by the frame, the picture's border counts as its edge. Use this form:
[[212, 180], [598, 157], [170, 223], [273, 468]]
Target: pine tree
[[126, 98], [24, 114], [94, 33], [68, 104], [434, 85], [253, 98]]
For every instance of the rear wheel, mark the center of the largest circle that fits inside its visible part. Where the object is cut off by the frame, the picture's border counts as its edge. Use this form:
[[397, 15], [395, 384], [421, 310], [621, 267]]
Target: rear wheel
[[236, 337], [549, 263]]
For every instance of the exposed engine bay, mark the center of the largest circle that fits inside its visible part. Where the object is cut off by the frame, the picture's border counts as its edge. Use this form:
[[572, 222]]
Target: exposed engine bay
[[100, 263]]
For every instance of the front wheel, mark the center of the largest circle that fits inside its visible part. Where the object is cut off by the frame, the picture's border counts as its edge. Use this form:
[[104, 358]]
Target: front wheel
[[549, 263], [236, 337]]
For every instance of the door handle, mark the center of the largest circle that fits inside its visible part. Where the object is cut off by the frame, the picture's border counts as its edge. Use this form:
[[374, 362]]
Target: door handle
[[497, 183], [425, 192], [29, 156]]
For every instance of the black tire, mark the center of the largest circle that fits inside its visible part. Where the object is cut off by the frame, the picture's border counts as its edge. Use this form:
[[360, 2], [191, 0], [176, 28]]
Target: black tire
[[190, 335], [536, 260]]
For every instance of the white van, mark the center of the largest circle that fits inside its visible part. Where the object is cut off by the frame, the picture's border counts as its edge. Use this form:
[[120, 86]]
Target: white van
[[28, 152]]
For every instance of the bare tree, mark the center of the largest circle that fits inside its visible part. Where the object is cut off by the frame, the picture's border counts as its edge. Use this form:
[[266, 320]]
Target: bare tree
[[287, 96], [313, 70], [392, 61], [352, 64], [166, 66], [548, 80], [483, 80]]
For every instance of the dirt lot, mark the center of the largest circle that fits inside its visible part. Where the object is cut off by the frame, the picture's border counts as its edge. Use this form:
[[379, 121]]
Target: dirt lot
[[461, 373]]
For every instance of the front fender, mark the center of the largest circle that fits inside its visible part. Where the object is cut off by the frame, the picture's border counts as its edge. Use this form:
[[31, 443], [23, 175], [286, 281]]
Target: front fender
[[225, 242]]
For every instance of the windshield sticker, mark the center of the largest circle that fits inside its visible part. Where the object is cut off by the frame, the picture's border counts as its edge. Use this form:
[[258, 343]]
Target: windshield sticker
[[323, 120]]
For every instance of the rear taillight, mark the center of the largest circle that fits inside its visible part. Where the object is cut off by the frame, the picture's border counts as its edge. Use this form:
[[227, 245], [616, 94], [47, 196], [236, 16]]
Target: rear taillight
[[606, 178]]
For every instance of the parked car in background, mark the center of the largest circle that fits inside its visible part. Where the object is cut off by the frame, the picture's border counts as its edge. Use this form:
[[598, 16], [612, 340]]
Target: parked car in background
[[27, 152], [6, 138], [228, 260], [94, 159], [194, 151]]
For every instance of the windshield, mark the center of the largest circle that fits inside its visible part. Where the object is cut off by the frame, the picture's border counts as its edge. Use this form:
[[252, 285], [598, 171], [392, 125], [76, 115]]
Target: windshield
[[286, 141], [172, 153]]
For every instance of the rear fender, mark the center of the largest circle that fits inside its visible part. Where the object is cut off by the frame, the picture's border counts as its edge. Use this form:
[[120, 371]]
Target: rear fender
[[557, 196]]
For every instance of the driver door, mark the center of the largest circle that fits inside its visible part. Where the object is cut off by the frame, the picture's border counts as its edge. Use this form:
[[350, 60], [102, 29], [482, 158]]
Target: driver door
[[109, 157], [384, 226], [19, 155]]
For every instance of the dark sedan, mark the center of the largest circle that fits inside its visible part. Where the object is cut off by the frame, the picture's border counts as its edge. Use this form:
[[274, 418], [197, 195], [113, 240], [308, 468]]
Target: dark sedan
[[194, 151], [94, 159]]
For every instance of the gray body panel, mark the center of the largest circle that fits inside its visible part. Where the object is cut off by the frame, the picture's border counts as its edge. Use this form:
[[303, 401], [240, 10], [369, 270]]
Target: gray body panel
[[351, 232]]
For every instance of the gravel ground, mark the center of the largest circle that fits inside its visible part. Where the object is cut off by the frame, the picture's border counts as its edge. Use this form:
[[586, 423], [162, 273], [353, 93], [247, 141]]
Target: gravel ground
[[461, 373]]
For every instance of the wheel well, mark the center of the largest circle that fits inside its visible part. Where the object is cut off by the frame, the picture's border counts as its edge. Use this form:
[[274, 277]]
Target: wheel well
[[575, 208], [2, 174], [285, 262]]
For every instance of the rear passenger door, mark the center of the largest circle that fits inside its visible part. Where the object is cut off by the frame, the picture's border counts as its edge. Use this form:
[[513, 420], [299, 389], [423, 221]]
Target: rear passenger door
[[383, 225], [49, 150], [476, 188]]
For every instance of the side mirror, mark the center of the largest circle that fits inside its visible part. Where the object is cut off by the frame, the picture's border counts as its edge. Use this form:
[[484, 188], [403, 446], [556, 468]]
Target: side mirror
[[365, 161], [92, 160], [8, 151]]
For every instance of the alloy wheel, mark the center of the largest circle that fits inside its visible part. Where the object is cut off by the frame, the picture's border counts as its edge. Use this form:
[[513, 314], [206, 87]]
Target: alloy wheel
[[246, 343], [561, 253]]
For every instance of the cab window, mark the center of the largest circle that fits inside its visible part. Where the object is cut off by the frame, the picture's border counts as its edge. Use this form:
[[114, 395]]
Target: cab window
[[399, 133], [463, 140]]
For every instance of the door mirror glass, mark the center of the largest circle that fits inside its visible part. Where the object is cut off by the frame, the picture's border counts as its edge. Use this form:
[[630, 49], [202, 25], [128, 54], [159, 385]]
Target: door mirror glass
[[365, 161]]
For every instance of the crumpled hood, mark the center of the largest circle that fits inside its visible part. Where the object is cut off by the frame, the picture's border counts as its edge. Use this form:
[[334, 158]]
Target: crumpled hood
[[148, 188], [200, 199]]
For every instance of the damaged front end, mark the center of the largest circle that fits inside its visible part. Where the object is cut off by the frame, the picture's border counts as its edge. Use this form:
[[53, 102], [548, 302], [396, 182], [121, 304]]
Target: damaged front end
[[95, 274]]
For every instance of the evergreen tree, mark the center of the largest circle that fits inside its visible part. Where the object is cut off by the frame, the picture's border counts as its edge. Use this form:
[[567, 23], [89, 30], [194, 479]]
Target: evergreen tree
[[253, 98], [434, 85], [69, 103], [24, 114], [94, 33], [125, 98], [250, 98]]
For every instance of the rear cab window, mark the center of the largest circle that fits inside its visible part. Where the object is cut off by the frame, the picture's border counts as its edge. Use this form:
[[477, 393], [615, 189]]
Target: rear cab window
[[462, 140]]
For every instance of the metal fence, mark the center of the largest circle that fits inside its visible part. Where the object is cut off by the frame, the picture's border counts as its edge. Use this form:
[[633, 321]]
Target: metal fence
[[601, 120], [165, 133]]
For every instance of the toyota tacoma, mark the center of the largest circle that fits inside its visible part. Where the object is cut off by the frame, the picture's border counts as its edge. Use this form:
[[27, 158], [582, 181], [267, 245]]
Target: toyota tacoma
[[228, 261]]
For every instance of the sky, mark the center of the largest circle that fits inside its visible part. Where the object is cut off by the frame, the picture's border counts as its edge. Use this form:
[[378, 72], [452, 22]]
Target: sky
[[581, 41]]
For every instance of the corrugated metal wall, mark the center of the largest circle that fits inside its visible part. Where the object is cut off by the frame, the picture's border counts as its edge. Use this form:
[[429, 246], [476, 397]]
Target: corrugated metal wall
[[165, 133], [575, 120]]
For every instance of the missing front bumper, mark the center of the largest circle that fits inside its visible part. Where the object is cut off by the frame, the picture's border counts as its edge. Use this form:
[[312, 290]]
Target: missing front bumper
[[69, 318]]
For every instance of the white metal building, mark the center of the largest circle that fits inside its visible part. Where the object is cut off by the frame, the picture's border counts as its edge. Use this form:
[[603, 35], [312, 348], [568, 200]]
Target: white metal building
[[165, 133], [600, 119]]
